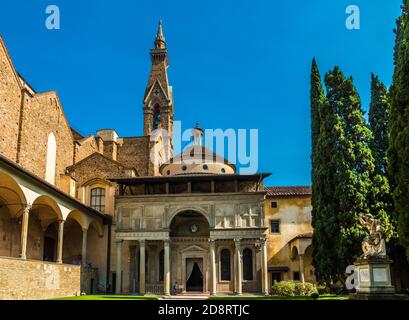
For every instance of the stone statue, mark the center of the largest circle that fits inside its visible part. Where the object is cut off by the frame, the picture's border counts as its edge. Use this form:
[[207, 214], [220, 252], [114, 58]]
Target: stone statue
[[373, 244]]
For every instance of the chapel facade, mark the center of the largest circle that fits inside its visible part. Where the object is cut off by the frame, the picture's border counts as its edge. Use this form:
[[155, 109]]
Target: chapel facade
[[102, 214]]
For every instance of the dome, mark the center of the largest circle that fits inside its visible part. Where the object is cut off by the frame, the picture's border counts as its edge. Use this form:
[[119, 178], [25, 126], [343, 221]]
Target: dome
[[197, 159]]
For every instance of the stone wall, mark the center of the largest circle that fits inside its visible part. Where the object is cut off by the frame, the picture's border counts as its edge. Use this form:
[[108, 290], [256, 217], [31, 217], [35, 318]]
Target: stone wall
[[43, 115], [89, 280], [97, 250], [36, 280], [134, 153], [9, 234], [96, 166], [10, 102], [85, 147]]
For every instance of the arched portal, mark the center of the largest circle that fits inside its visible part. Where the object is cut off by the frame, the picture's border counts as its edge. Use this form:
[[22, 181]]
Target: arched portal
[[12, 202], [189, 232], [43, 229], [72, 244]]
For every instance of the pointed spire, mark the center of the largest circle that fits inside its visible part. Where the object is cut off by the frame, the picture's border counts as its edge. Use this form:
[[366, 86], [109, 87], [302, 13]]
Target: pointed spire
[[160, 39]]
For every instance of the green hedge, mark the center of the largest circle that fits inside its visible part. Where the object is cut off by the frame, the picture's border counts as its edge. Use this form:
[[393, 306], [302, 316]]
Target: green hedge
[[293, 288]]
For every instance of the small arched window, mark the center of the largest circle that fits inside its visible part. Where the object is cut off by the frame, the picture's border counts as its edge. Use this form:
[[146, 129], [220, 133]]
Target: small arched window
[[161, 264], [97, 200], [225, 265], [247, 264], [51, 159]]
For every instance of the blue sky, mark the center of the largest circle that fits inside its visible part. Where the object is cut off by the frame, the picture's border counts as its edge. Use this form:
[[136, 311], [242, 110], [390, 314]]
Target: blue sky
[[233, 64]]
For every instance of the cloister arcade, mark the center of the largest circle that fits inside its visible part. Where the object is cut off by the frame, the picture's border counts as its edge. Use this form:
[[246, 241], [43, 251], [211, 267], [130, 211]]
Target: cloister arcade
[[39, 222]]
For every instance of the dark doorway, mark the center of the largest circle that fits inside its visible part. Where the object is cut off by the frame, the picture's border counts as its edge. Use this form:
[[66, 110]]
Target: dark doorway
[[92, 287], [275, 277], [49, 249], [195, 281]]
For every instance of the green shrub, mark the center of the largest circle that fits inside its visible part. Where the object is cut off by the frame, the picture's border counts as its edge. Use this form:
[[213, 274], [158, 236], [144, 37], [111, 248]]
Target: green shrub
[[293, 288], [283, 288], [323, 289], [336, 289], [315, 295]]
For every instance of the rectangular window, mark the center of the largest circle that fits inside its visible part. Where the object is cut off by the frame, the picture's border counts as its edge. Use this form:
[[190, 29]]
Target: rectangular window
[[274, 226], [225, 265], [296, 276], [274, 204], [97, 200]]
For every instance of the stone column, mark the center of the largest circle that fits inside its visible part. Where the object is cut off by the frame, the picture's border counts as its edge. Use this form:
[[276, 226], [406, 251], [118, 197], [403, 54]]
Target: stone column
[[24, 231], [84, 246], [302, 277], [166, 268], [60, 240], [213, 277], [119, 244], [264, 268], [239, 269], [142, 266]]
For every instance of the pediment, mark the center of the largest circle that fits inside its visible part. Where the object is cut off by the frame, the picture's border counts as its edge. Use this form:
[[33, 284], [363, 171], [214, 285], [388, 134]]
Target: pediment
[[194, 248], [156, 92]]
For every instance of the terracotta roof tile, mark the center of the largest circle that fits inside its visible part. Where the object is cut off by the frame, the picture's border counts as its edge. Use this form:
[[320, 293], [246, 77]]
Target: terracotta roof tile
[[289, 191]]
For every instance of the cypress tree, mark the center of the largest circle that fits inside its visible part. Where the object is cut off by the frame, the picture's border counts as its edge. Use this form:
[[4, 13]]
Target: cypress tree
[[352, 163], [398, 152], [378, 116], [324, 221], [346, 183], [316, 100]]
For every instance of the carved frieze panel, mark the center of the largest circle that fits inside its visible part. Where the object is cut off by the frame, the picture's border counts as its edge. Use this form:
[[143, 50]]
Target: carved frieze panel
[[224, 216]]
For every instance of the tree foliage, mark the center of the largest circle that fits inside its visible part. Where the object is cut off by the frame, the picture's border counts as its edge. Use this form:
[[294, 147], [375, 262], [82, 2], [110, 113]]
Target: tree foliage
[[345, 181], [323, 206], [398, 152], [379, 114]]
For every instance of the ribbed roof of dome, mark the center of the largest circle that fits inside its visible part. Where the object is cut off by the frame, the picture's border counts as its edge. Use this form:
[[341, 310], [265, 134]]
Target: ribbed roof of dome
[[198, 154]]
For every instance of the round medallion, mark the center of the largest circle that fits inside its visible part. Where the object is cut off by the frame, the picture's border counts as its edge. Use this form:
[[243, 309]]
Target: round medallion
[[194, 228]]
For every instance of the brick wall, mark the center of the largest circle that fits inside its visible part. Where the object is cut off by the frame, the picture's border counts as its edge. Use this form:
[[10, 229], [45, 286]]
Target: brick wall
[[85, 147], [10, 100], [96, 166], [36, 280], [134, 153], [43, 114]]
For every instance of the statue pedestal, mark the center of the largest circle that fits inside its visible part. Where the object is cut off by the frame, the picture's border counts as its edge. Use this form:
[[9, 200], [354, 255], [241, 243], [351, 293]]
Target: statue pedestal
[[374, 278]]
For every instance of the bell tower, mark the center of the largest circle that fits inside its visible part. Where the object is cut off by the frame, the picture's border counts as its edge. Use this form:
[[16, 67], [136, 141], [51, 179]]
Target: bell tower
[[158, 100]]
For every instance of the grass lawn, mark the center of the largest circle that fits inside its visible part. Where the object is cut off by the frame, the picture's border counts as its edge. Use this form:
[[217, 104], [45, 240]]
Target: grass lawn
[[123, 297], [109, 297], [322, 297]]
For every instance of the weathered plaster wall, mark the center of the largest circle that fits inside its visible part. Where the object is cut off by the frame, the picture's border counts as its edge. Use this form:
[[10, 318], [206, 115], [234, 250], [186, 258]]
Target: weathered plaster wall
[[294, 214]]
